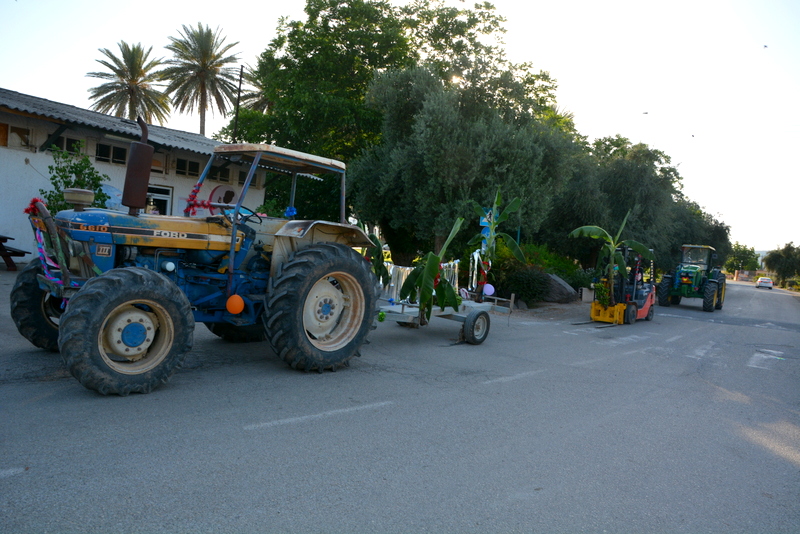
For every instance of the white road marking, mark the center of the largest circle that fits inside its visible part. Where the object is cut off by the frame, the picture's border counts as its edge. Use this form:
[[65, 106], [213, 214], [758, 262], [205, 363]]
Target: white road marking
[[304, 418], [5, 473], [764, 359], [513, 377]]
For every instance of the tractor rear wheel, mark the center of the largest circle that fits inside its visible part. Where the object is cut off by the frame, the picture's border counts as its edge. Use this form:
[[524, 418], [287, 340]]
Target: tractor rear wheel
[[664, 289], [35, 312], [126, 331], [675, 299], [323, 302], [721, 291], [710, 296]]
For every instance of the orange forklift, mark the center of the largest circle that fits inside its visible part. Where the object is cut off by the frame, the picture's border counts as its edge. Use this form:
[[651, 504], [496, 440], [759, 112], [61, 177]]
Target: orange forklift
[[631, 297]]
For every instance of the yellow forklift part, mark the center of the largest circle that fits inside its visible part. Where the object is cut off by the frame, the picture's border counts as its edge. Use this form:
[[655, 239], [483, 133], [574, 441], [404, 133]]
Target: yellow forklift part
[[611, 314]]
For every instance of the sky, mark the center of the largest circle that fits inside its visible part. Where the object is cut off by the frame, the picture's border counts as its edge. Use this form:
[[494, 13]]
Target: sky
[[713, 84]]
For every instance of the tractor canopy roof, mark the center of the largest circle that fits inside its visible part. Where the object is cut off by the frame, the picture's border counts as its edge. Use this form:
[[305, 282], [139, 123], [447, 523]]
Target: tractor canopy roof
[[280, 159]]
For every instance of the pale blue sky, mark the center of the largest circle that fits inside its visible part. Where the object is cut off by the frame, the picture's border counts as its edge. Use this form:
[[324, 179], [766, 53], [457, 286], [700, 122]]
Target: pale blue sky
[[713, 83]]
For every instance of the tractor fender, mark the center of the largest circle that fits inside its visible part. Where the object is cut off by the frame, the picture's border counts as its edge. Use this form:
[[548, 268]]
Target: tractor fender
[[320, 231], [295, 235]]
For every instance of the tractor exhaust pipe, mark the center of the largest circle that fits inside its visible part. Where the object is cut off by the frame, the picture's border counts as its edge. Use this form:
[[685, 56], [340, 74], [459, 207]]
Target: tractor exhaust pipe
[[137, 177]]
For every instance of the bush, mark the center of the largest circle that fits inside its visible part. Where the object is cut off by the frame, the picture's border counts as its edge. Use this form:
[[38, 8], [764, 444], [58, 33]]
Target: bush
[[529, 283]]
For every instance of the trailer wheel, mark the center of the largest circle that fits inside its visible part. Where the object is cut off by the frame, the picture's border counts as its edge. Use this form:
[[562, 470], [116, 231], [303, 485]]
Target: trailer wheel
[[126, 331], [476, 327], [35, 312], [710, 296], [323, 302], [664, 288]]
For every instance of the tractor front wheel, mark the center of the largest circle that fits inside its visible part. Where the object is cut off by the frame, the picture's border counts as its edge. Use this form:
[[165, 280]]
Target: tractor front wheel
[[720, 291], [35, 311], [710, 296], [126, 331], [323, 302], [664, 289]]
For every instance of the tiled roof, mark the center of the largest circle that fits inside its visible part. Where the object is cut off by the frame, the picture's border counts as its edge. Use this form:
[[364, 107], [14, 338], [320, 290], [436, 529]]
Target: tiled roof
[[158, 135]]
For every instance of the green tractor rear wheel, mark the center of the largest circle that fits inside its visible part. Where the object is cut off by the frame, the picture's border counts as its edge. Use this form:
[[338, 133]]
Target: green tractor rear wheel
[[710, 296]]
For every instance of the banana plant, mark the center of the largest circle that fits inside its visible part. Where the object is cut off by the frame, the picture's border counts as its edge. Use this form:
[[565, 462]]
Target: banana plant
[[495, 217], [426, 280], [611, 248]]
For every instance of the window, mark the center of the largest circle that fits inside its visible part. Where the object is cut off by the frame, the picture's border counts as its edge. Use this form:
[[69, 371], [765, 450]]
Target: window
[[68, 144], [111, 154], [159, 200], [221, 174], [185, 167], [159, 164], [19, 137], [243, 178]]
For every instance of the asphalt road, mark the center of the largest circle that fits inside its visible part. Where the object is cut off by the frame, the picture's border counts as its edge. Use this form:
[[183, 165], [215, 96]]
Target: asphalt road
[[687, 423]]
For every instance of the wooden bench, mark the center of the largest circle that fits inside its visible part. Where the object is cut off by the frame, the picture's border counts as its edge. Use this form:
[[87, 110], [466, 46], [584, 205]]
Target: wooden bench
[[8, 252]]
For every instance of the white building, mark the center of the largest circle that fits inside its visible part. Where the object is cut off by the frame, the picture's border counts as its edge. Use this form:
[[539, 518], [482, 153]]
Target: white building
[[30, 125]]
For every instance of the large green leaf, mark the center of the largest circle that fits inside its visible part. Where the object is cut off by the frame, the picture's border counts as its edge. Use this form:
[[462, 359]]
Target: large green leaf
[[512, 245], [591, 231], [638, 247]]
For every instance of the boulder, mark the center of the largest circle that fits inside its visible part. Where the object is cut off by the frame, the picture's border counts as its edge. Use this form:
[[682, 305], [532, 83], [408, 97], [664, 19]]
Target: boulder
[[560, 291]]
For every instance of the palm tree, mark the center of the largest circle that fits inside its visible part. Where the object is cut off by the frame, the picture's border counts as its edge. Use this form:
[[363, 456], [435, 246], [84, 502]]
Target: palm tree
[[131, 90], [198, 71]]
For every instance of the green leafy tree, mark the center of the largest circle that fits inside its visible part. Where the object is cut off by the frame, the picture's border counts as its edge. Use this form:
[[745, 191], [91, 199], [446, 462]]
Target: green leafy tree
[[437, 156], [784, 262], [132, 87], [741, 258], [72, 170], [199, 72]]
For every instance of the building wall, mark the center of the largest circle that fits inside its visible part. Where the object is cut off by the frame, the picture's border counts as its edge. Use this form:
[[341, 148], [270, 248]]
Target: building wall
[[24, 172]]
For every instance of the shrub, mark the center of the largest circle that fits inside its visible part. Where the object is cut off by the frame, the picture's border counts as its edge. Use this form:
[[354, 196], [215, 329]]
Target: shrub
[[528, 283]]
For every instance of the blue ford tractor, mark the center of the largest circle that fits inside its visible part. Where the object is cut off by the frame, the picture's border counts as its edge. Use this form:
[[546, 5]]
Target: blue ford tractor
[[118, 294]]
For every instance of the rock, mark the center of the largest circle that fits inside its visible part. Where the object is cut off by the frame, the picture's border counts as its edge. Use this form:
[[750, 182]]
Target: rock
[[520, 304], [560, 291]]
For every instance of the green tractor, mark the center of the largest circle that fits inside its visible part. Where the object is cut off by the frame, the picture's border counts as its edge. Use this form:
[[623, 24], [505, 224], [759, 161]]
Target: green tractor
[[694, 278]]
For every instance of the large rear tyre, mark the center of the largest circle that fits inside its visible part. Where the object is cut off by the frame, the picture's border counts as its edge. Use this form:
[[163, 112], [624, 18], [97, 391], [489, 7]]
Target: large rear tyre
[[476, 327], [323, 302], [664, 288], [126, 331], [710, 296], [35, 311]]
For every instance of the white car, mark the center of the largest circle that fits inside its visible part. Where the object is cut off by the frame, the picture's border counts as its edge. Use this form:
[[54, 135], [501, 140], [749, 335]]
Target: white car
[[764, 282]]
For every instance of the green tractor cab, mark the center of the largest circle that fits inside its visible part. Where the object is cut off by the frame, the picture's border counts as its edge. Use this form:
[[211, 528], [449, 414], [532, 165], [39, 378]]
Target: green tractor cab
[[694, 278]]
